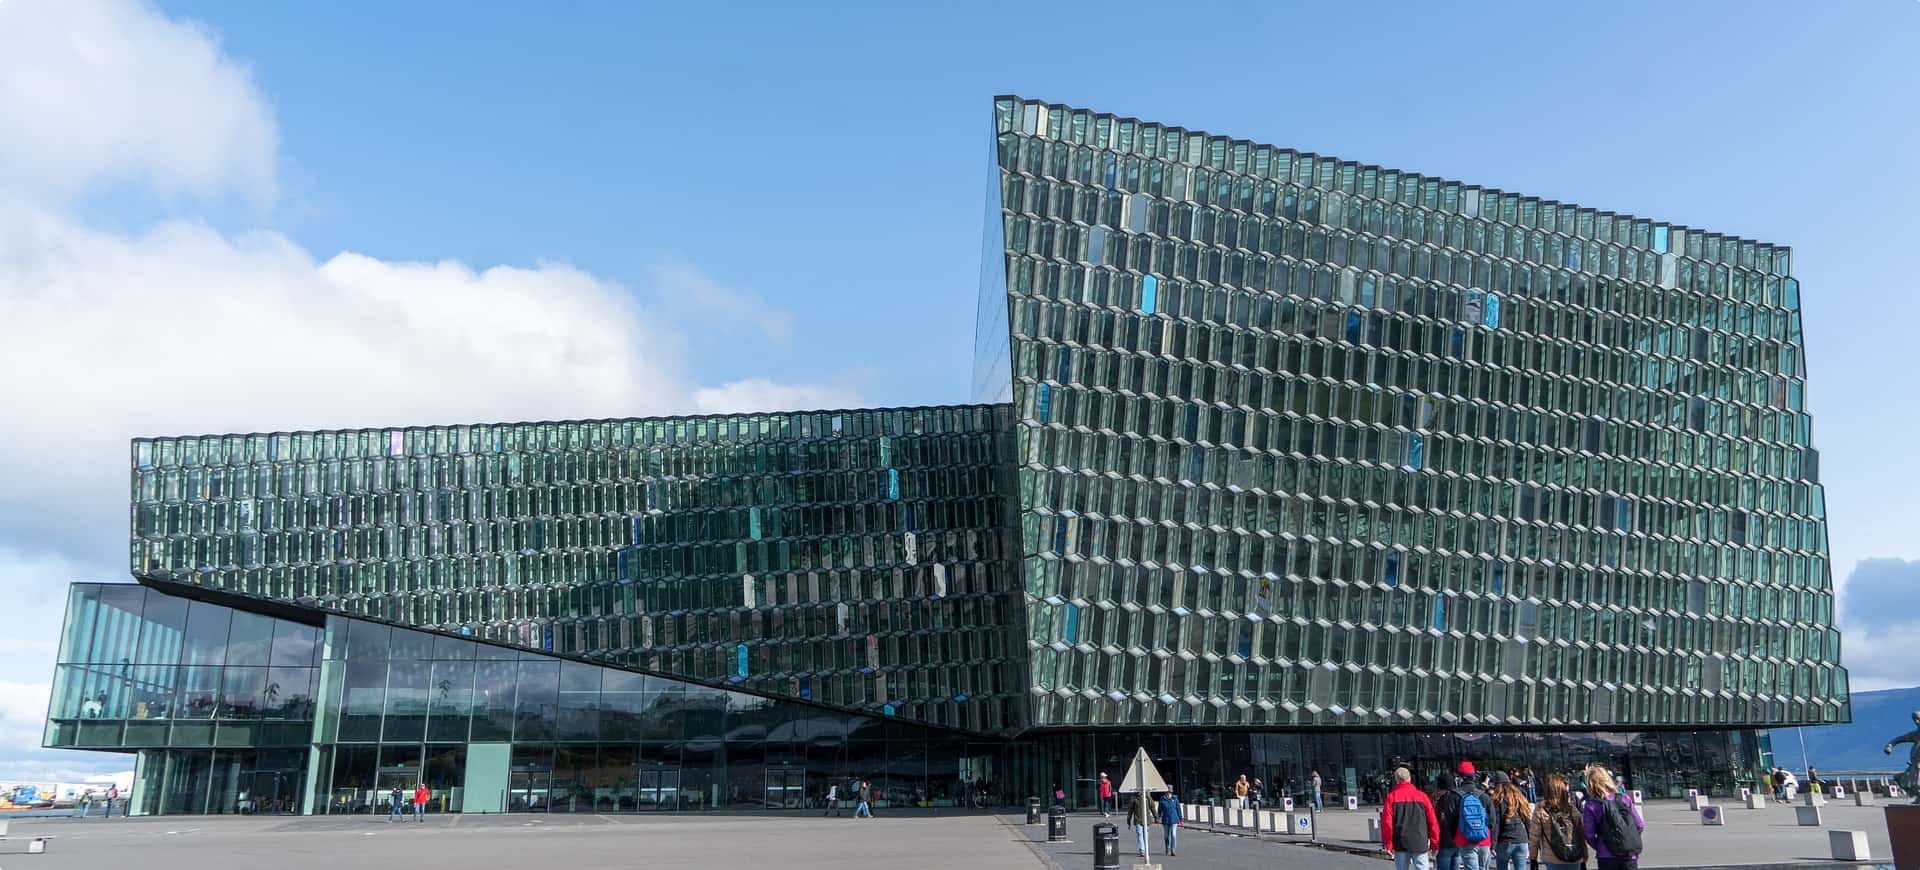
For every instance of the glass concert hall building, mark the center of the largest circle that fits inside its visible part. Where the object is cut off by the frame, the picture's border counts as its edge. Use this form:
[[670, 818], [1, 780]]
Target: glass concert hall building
[[1277, 463]]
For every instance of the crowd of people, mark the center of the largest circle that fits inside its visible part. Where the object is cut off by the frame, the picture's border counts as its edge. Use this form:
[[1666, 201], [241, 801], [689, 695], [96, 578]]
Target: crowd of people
[[1466, 822]]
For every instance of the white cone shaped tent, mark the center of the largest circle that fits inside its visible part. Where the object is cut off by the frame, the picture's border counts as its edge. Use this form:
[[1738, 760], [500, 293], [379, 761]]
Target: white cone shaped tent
[[1142, 776]]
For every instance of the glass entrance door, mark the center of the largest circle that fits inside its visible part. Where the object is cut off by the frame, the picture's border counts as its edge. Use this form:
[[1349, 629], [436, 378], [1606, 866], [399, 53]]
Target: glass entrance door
[[658, 788], [268, 791], [528, 791], [786, 788]]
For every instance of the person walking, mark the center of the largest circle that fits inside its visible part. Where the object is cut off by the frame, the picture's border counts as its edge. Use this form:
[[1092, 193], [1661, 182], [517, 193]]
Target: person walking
[[1512, 818], [421, 794], [1446, 856], [1611, 823], [1257, 795], [1141, 817], [1313, 786], [1170, 822], [1409, 829], [1106, 796], [396, 805], [833, 801], [1240, 789], [84, 804], [1469, 830], [1556, 833], [113, 796], [864, 795]]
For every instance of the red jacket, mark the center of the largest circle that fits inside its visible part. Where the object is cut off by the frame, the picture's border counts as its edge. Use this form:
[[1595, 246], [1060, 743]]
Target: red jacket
[[1407, 821]]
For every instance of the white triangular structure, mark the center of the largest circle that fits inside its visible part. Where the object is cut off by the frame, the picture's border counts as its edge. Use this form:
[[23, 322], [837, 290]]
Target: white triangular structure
[[1142, 776]]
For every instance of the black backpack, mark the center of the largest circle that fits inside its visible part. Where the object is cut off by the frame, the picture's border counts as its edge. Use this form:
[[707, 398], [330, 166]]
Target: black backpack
[[1564, 838], [1447, 812], [1617, 829]]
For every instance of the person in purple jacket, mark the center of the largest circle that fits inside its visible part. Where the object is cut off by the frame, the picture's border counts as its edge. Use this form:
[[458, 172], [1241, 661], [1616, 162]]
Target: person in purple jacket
[[1613, 823]]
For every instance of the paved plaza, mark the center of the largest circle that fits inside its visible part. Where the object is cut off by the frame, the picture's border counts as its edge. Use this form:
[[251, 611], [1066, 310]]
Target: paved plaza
[[1769, 837], [707, 842], [1675, 839]]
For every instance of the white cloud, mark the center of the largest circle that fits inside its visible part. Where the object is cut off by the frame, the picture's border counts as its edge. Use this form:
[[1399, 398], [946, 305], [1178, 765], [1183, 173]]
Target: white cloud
[[1881, 657], [761, 394], [1880, 628], [183, 330], [23, 712], [93, 91], [721, 307]]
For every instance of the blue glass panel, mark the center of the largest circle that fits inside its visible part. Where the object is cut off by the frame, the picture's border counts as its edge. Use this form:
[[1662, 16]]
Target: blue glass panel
[[1659, 240], [1491, 313], [1416, 450], [1149, 293], [1073, 624], [1042, 405]]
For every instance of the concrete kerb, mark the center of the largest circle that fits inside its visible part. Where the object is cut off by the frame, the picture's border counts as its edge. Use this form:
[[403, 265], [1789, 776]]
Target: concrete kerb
[[1038, 847]]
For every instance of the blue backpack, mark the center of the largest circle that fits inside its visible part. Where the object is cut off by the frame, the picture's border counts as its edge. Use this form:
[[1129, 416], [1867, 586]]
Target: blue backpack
[[1473, 817]]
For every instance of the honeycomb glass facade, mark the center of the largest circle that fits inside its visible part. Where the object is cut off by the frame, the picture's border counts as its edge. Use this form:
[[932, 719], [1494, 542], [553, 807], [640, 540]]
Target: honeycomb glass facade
[[1278, 462], [855, 558], [1304, 441]]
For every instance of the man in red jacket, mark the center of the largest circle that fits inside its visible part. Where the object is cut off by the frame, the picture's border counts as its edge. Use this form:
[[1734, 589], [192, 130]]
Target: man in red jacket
[[1408, 827], [1468, 814]]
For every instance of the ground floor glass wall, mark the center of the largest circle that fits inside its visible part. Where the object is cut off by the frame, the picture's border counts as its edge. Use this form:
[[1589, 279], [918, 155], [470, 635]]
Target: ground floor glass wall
[[218, 781], [495, 729]]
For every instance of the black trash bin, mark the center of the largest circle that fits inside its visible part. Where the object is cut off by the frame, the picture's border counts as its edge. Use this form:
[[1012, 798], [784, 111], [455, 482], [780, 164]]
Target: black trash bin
[[1033, 811], [1057, 824], [1106, 847]]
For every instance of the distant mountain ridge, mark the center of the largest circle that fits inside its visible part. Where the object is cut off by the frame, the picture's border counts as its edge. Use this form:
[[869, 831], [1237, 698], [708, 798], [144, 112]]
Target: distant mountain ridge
[[1877, 718]]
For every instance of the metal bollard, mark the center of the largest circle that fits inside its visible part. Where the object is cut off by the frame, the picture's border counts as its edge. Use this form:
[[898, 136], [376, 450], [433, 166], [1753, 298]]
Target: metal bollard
[[1106, 847], [1033, 811], [1057, 824]]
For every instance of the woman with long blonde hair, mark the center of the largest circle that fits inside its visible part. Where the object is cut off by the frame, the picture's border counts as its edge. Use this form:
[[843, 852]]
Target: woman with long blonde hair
[[1556, 836], [1612, 823], [1511, 813]]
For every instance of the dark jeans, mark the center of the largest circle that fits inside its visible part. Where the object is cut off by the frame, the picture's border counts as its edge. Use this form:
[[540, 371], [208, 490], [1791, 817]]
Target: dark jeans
[[1620, 863]]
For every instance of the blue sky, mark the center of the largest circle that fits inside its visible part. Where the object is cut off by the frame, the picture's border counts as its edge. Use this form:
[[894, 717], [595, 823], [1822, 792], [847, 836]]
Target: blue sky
[[728, 205]]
